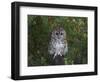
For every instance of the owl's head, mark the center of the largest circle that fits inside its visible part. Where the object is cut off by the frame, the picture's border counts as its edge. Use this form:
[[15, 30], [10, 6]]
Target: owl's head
[[59, 33]]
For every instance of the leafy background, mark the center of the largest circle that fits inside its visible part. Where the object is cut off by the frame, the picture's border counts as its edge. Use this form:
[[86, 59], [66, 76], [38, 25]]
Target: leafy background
[[39, 29]]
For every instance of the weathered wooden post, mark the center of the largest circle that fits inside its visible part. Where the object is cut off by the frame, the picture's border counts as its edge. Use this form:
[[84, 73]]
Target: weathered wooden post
[[58, 60]]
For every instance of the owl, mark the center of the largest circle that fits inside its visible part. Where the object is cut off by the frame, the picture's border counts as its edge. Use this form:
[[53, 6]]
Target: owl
[[58, 42]]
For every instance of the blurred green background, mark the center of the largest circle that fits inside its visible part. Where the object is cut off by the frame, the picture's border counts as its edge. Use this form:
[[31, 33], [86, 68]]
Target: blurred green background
[[39, 29]]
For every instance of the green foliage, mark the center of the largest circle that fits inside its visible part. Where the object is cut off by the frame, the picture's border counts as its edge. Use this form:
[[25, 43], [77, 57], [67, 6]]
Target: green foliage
[[39, 28]]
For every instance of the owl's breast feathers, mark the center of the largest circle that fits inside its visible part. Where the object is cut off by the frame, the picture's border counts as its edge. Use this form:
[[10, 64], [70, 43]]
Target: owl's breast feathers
[[58, 47]]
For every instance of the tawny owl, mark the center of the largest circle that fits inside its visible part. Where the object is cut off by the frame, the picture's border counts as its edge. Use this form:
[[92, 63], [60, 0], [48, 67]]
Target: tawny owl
[[58, 42]]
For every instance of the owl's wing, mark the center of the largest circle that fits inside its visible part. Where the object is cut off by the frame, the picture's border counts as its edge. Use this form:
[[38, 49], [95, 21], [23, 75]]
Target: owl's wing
[[66, 49], [51, 49]]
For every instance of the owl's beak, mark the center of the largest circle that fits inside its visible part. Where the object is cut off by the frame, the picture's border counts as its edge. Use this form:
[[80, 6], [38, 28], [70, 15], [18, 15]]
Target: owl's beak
[[58, 37]]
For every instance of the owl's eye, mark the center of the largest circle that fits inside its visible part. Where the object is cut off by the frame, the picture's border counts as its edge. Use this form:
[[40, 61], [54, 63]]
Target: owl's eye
[[56, 33], [61, 33]]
